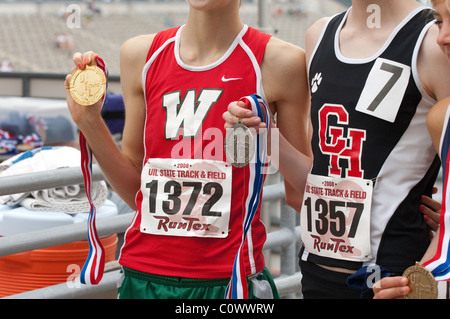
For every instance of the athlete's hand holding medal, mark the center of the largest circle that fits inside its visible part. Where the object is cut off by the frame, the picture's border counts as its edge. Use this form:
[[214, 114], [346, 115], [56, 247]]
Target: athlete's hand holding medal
[[247, 147], [417, 282], [238, 113], [85, 91], [241, 119], [85, 86]]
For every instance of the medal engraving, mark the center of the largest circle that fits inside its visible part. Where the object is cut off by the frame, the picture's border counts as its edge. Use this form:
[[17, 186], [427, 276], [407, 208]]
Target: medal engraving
[[239, 145], [87, 86], [422, 283]]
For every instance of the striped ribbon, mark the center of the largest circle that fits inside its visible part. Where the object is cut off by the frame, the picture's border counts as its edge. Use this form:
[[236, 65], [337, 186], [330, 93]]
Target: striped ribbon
[[237, 288], [9, 143], [33, 139], [92, 271], [439, 265]]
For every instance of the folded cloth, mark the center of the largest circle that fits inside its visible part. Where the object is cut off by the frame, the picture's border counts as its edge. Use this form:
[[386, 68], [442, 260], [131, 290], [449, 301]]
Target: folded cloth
[[366, 277], [64, 199], [69, 199]]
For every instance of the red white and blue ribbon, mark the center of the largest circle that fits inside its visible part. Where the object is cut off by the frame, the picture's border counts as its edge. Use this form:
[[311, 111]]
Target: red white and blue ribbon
[[33, 139], [8, 143], [439, 265], [92, 271], [237, 288]]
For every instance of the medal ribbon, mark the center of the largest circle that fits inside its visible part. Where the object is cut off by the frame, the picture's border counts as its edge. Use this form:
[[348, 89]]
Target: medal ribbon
[[439, 265], [237, 288], [92, 271]]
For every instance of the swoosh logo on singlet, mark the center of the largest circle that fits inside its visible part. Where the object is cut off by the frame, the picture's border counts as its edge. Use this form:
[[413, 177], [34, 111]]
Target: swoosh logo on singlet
[[224, 79]]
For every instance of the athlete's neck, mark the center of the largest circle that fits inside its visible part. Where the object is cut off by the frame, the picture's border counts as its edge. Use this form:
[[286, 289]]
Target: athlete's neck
[[391, 13], [207, 35], [370, 23]]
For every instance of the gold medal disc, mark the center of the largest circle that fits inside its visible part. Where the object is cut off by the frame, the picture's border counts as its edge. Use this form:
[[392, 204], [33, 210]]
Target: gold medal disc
[[422, 283], [87, 86]]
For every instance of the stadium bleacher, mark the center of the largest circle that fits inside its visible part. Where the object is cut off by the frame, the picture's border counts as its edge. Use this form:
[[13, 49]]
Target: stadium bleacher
[[27, 37]]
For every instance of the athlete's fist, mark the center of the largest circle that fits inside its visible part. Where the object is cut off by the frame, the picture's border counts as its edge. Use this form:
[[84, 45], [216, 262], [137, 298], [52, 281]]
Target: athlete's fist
[[391, 288], [239, 113], [82, 116], [432, 210]]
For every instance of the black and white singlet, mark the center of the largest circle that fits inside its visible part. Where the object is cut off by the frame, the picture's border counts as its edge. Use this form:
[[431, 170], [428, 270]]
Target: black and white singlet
[[373, 156]]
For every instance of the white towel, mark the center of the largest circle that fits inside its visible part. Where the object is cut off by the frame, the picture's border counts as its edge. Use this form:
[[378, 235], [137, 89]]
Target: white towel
[[64, 200], [69, 199]]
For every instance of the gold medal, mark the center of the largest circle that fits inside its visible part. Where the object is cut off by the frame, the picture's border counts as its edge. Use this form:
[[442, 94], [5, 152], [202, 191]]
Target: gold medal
[[87, 86], [422, 283]]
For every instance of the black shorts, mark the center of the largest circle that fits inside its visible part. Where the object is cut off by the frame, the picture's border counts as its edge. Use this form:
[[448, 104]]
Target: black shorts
[[321, 283]]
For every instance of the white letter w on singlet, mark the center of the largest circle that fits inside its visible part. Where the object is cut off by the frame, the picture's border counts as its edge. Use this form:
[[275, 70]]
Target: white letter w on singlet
[[190, 113]]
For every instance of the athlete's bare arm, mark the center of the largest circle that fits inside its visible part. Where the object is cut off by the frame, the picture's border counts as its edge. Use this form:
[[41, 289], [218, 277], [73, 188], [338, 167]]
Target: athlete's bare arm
[[312, 37], [436, 119], [286, 88], [121, 168], [433, 66]]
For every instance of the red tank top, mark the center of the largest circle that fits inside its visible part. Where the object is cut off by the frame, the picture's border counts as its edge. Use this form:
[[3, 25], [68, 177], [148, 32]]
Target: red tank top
[[190, 205]]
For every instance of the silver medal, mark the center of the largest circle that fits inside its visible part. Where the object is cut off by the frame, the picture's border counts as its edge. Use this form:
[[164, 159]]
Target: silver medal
[[239, 145]]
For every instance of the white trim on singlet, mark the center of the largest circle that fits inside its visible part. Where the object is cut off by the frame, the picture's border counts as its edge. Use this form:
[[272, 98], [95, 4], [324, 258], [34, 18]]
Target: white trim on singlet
[[256, 68], [209, 66], [150, 61], [324, 29], [415, 71]]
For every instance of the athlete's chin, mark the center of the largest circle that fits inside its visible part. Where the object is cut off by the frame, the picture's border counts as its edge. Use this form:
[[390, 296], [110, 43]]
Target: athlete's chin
[[207, 5]]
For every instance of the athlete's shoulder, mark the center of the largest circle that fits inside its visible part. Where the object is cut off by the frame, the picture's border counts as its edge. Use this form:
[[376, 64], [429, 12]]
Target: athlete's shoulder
[[316, 28], [282, 57], [256, 41], [136, 48], [436, 115], [283, 70], [313, 34], [437, 112], [256, 37], [139, 46], [133, 56], [290, 53], [433, 66], [436, 120]]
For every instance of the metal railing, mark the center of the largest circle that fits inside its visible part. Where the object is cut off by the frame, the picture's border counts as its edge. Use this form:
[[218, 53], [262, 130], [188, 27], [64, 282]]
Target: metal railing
[[42, 84], [284, 241]]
